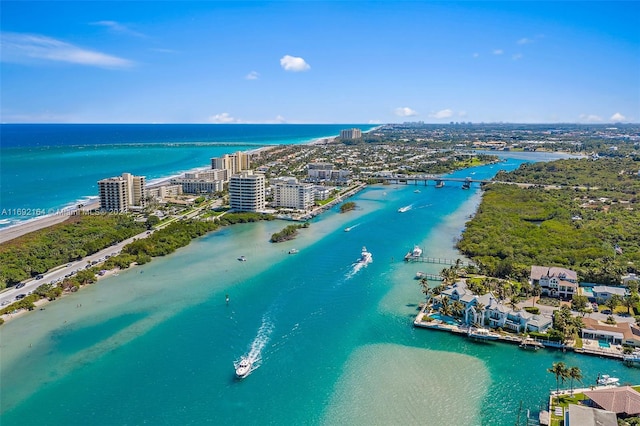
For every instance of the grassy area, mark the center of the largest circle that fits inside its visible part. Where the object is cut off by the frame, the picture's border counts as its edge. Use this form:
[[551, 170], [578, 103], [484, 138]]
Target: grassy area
[[564, 401]]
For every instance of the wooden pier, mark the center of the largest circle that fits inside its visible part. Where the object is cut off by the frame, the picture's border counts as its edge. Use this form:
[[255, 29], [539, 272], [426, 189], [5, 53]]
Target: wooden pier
[[442, 261]]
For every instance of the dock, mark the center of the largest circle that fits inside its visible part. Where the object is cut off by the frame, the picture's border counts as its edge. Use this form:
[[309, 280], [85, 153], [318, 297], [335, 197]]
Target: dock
[[439, 260]]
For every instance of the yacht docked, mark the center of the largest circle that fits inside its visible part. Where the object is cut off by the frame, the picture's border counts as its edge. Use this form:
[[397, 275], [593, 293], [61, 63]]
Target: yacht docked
[[243, 368], [482, 334], [529, 343], [416, 253], [607, 380]]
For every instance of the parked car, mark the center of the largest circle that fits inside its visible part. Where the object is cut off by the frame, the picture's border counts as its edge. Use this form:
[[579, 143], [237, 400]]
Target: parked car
[[594, 306], [20, 296], [607, 311], [20, 285]]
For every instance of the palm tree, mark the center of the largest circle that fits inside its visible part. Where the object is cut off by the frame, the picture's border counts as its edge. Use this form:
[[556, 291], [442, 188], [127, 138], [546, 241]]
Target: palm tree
[[574, 373], [559, 369], [457, 307], [536, 291], [480, 309], [445, 308], [424, 284]]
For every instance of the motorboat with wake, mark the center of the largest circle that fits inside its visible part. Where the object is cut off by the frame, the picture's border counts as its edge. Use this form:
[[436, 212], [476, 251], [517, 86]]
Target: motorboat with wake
[[243, 368], [404, 209], [365, 256]]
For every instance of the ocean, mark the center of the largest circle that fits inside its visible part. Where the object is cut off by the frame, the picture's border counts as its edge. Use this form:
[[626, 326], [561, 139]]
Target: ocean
[[45, 167], [332, 340]]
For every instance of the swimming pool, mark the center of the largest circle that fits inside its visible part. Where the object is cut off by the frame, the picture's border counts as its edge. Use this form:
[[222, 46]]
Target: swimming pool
[[444, 319], [604, 344]]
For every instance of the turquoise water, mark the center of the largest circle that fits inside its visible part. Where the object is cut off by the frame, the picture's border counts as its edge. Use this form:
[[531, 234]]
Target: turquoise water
[[604, 344], [44, 167], [333, 341]]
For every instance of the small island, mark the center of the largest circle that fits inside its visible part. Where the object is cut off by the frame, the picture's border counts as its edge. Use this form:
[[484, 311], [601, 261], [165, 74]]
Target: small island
[[348, 206], [288, 233]]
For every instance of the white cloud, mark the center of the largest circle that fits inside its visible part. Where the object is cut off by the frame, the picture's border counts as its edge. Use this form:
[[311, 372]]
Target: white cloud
[[476, 55], [590, 118], [116, 27], [517, 56], [25, 48], [445, 113], [253, 75], [405, 112], [294, 64], [617, 117], [524, 40], [462, 113], [223, 118], [498, 52]]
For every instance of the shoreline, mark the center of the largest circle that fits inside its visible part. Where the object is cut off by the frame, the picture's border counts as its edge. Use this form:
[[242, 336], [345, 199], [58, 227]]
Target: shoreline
[[59, 215], [41, 303]]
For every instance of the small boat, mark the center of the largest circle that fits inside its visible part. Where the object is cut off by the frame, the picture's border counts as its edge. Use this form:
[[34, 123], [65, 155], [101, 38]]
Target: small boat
[[243, 368], [417, 191], [482, 334], [529, 343], [404, 209], [293, 251], [365, 256], [420, 275], [242, 259], [413, 254], [347, 229], [631, 358], [440, 184], [607, 380]]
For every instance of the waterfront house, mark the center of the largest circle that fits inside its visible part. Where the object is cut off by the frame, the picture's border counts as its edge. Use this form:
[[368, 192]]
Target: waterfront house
[[493, 313], [602, 293], [555, 281], [624, 400], [622, 333], [579, 415]]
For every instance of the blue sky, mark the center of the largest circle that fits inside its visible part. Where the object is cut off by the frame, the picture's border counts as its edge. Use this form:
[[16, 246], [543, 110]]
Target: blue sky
[[319, 62]]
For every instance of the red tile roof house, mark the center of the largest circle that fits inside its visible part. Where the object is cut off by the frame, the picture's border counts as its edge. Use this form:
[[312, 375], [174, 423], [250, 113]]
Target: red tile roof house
[[555, 281], [622, 333], [624, 401]]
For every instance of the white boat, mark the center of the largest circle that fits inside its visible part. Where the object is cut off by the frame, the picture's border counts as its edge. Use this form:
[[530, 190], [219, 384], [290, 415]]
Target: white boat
[[365, 256], [293, 251], [440, 184], [417, 191], [529, 343], [631, 358], [482, 334], [242, 259], [404, 209], [413, 254], [243, 368], [607, 380], [420, 275], [347, 229]]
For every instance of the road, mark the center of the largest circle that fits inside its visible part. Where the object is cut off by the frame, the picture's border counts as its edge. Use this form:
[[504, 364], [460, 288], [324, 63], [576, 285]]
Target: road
[[58, 274]]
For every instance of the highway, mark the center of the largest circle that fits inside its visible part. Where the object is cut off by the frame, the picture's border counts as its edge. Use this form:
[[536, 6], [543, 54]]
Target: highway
[[57, 274]]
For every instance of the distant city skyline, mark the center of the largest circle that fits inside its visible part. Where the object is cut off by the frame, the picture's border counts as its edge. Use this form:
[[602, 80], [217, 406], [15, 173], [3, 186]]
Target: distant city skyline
[[320, 62]]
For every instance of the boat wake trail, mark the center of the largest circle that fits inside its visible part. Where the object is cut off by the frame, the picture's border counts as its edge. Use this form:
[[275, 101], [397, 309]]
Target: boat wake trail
[[405, 208], [365, 259], [262, 338]]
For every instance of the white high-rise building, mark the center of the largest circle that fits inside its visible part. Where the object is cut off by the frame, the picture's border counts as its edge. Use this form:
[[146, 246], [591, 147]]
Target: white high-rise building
[[247, 191], [120, 193], [233, 163], [289, 193], [351, 134]]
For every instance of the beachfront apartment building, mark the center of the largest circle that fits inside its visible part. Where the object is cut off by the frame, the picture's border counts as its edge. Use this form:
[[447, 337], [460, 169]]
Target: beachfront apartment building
[[202, 182], [289, 193], [324, 172], [164, 191], [555, 281], [122, 193], [247, 191], [354, 133], [233, 163]]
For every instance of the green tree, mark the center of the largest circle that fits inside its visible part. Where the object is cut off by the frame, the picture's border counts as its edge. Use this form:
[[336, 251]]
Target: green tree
[[559, 369], [574, 373]]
